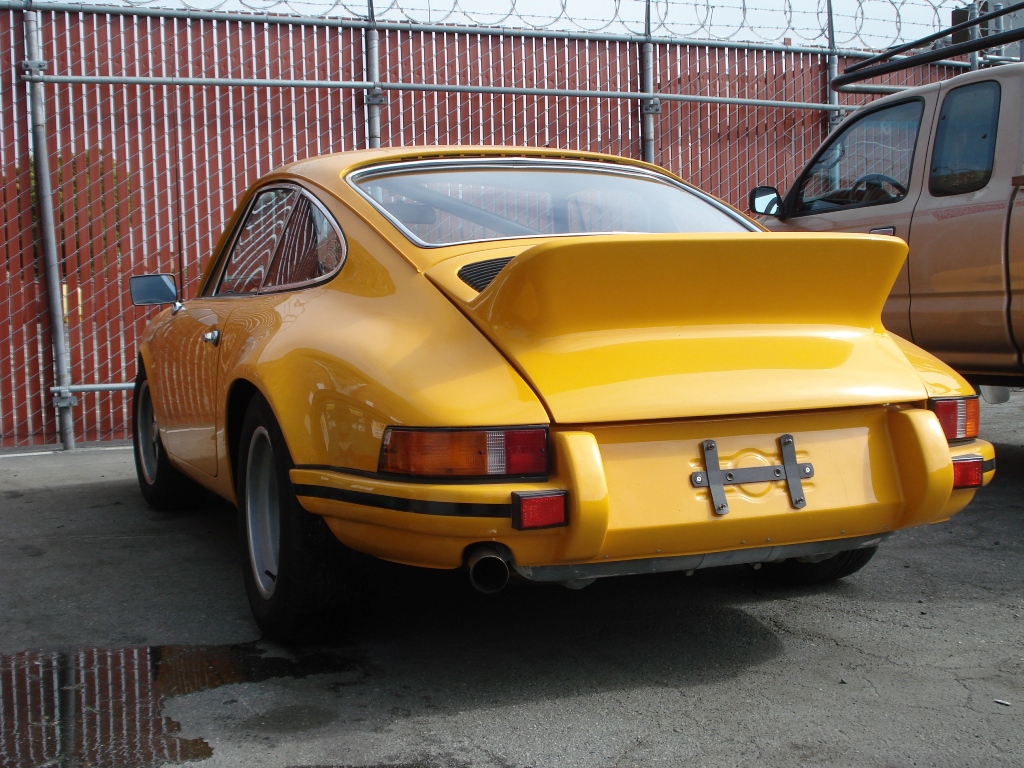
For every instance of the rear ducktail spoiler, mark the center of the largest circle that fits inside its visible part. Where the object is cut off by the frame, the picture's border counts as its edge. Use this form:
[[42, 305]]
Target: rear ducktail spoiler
[[621, 327]]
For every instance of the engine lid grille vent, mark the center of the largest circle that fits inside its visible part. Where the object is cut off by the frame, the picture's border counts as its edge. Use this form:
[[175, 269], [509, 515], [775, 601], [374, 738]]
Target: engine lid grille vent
[[481, 273]]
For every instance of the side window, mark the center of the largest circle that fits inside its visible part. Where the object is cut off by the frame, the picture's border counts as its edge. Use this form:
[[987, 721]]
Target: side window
[[965, 141], [251, 255], [868, 163], [311, 248]]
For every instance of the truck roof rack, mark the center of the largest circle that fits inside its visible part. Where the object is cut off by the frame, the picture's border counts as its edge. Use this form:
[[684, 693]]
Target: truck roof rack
[[882, 64]]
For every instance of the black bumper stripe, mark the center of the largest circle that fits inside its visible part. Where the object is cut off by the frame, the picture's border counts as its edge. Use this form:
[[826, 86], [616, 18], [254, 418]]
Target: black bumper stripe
[[399, 504], [988, 466], [434, 479]]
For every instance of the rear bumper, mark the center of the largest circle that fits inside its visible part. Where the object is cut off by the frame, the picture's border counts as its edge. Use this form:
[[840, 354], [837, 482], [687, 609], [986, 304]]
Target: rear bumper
[[586, 572], [634, 507]]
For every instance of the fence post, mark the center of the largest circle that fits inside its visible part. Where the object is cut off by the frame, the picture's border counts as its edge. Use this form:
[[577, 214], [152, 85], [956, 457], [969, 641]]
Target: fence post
[[651, 106], [374, 99], [834, 117], [44, 199], [997, 28], [972, 14]]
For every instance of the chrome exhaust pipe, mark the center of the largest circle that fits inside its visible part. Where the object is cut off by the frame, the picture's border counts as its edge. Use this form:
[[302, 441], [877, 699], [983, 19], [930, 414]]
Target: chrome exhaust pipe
[[488, 570]]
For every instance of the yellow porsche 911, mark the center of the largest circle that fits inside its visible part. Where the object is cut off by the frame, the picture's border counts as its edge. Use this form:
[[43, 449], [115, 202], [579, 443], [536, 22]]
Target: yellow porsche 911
[[559, 364]]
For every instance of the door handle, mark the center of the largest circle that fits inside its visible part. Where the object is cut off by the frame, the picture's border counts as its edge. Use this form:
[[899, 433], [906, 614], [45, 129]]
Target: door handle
[[212, 337], [883, 231]]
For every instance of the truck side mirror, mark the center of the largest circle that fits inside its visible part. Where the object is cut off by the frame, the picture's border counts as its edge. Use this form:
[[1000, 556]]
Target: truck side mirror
[[765, 201], [152, 289]]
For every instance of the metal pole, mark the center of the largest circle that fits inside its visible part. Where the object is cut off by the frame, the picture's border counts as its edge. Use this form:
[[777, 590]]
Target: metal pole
[[117, 387], [67, 682], [834, 118], [44, 198], [997, 27], [430, 87], [972, 14], [649, 107], [374, 98]]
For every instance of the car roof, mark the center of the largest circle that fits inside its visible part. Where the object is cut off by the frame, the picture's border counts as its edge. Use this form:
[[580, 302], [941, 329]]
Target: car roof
[[340, 164], [330, 173]]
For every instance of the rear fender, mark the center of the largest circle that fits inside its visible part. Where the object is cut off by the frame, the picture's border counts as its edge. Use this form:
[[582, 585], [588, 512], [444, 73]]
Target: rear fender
[[925, 464]]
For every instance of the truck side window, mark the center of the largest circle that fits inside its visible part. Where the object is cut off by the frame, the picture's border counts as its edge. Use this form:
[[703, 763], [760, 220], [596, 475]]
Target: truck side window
[[867, 163], [965, 141]]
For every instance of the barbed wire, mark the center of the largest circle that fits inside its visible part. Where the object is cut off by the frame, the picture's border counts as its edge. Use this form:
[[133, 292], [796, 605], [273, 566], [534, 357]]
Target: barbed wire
[[870, 24]]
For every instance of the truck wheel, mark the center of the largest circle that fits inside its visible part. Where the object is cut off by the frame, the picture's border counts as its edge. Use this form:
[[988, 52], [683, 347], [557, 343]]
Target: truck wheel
[[162, 485], [797, 572], [291, 561]]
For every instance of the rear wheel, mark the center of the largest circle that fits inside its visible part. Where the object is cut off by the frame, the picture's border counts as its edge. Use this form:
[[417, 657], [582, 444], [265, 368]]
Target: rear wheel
[[293, 565], [797, 571], [162, 485]]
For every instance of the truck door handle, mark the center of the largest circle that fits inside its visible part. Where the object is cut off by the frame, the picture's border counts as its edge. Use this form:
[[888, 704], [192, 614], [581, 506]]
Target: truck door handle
[[883, 231], [212, 337]]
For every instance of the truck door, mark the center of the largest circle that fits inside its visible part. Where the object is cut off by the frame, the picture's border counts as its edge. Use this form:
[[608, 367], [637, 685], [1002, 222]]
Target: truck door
[[866, 178], [958, 266]]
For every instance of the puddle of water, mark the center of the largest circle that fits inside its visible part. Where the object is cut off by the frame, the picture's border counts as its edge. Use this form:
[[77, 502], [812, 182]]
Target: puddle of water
[[102, 707]]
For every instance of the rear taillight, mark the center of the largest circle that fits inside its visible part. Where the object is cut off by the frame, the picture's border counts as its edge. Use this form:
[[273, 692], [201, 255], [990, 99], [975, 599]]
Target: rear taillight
[[465, 452], [538, 509], [958, 416], [968, 472]]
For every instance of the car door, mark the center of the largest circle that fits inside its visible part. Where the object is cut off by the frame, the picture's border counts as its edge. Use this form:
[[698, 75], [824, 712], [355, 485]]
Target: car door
[[957, 262], [183, 360], [194, 341], [866, 178]]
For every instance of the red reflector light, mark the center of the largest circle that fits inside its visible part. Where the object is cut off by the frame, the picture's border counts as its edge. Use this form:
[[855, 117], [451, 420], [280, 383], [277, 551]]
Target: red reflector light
[[968, 472], [525, 452], [541, 509], [959, 416], [464, 452]]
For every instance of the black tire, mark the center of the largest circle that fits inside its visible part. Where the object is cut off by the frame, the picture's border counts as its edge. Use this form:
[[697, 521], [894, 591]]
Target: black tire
[[293, 565], [162, 485], [800, 573]]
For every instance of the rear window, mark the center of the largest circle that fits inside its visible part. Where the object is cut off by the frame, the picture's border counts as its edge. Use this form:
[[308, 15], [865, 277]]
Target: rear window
[[438, 204]]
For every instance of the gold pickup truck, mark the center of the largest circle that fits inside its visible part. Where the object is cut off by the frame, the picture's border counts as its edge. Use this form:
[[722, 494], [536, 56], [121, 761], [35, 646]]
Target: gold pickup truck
[[940, 166]]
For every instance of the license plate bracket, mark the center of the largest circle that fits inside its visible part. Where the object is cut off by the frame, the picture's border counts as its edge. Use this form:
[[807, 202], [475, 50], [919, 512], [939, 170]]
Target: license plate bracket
[[714, 478]]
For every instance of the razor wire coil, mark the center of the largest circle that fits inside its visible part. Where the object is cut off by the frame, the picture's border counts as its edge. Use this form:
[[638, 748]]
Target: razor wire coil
[[867, 24]]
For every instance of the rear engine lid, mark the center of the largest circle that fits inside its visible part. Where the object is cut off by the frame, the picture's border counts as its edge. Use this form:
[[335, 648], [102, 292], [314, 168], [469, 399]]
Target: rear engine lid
[[627, 327]]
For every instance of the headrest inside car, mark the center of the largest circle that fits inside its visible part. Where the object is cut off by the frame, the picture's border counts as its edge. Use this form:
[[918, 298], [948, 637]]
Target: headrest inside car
[[411, 213]]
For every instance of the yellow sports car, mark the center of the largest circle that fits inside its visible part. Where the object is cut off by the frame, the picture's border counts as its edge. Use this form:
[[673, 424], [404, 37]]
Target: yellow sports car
[[560, 364]]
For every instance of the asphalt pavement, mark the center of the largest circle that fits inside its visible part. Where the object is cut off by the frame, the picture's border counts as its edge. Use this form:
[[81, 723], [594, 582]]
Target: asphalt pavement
[[126, 640]]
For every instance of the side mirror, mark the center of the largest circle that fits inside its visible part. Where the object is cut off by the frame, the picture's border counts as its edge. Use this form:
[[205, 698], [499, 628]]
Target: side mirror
[[152, 289], [765, 201]]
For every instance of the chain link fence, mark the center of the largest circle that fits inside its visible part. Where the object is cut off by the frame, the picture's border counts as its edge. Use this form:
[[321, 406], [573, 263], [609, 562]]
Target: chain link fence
[[154, 121]]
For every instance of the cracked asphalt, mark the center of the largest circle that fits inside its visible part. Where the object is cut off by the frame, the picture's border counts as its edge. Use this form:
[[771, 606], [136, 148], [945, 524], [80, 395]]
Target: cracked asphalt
[[125, 640]]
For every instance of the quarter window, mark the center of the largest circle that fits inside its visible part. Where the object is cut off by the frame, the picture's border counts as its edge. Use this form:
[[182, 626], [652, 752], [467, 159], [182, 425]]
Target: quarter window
[[251, 256], [311, 248], [868, 163], [965, 141]]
